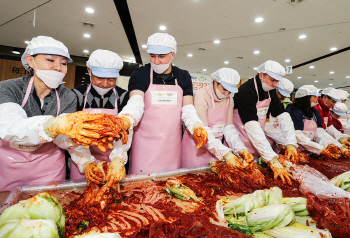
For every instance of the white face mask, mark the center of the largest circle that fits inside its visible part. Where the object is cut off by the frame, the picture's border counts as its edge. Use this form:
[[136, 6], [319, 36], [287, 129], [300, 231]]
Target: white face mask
[[266, 87], [51, 78], [313, 104], [160, 68], [101, 91], [219, 94]]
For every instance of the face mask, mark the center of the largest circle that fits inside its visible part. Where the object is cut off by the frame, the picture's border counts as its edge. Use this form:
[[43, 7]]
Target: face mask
[[51, 78], [160, 68], [219, 94], [265, 87], [313, 104], [101, 91]]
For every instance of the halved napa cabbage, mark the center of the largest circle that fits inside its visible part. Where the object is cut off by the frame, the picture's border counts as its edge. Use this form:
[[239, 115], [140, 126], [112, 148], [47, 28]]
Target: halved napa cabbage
[[306, 221], [298, 205], [26, 228], [342, 181], [298, 231]]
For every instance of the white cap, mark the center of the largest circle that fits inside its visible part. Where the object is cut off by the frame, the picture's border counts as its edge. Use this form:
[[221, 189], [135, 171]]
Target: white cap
[[334, 94], [285, 87], [327, 90], [229, 78], [272, 68], [105, 64], [340, 109], [306, 90], [161, 43], [45, 45], [344, 94]]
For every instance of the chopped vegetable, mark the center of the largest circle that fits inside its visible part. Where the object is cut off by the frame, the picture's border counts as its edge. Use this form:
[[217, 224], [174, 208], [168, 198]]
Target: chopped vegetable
[[41, 206], [179, 190], [298, 231], [26, 228], [298, 205], [342, 181]]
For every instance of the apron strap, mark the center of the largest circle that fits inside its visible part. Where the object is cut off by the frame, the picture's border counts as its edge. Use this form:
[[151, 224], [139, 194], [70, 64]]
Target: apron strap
[[58, 103], [115, 93], [212, 95], [30, 85]]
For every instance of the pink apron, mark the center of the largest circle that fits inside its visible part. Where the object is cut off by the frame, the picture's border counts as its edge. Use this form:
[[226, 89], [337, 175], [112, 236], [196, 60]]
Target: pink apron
[[310, 128], [96, 152], [156, 143], [22, 165], [262, 107], [191, 157]]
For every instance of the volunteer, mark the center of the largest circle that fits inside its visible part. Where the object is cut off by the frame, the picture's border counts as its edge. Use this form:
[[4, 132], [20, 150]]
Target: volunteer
[[325, 103], [339, 110], [214, 105], [168, 97], [284, 88], [101, 95], [344, 98], [255, 99], [29, 107], [308, 123]]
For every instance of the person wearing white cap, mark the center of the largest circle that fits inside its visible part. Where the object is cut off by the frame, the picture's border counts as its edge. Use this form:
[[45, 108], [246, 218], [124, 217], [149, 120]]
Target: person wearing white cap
[[284, 88], [214, 105], [344, 95], [29, 122], [101, 95], [168, 96], [325, 103], [308, 124], [255, 99], [344, 98]]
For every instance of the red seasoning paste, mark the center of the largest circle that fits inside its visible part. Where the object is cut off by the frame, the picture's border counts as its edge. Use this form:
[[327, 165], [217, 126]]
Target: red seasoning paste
[[330, 168]]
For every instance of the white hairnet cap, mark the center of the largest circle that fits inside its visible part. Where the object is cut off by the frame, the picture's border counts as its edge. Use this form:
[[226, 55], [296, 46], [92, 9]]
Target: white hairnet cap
[[285, 87], [105, 64], [45, 45], [344, 94], [334, 94], [161, 43], [229, 78], [340, 109], [306, 90], [327, 90], [272, 68]]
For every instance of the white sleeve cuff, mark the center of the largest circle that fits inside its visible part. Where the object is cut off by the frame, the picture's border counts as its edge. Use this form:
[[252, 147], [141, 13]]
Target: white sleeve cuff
[[287, 128], [190, 117], [232, 138], [134, 109], [215, 146]]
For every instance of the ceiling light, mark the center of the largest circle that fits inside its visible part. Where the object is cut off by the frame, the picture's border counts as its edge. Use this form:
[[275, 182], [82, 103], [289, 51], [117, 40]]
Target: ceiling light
[[287, 60], [162, 28], [86, 35], [311, 67], [333, 49], [348, 77], [299, 77], [256, 52], [85, 51], [330, 84], [331, 72], [16, 51], [259, 19], [204, 70], [226, 62], [190, 55], [316, 81], [302, 36], [255, 68], [144, 46], [26, 41], [89, 10], [216, 41]]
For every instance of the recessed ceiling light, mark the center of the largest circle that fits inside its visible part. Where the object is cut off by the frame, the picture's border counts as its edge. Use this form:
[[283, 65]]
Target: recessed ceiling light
[[216, 41], [255, 68], [348, 77], [316, 81], [226, 62], [204, 70], [333, 49], [89, 10], [299, 77], [144, 46], [190, 55], [16, 51], [26, 41], [331, 72], [330, 84], [86, 51], [259, 19], [256, 52], [287, 60], [162, 28], [302, 36], [86, 35], [311, 67]]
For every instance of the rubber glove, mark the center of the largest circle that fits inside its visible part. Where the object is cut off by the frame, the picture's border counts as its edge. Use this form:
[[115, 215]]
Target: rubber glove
[[291, 154], [200, 134], [233, 161], [116, 171], [345, 152], [94, 172], [248, 159], [280, 171], [75, 125], [345, 141], [331, 152]]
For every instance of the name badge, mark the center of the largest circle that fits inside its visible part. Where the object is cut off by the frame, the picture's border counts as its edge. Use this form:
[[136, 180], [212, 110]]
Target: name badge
[[310, 134], [262, 112], [274, 120], [218, 129], [164, 97], [27, 148]]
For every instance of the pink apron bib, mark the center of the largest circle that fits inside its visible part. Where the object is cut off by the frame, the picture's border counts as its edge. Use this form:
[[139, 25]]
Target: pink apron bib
[[156, 143], [191, 157], [310, 128], [33, 166], [96, 152], [262, 108]]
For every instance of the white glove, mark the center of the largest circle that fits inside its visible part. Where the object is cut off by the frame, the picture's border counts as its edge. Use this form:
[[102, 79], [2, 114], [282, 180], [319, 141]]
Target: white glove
[[215, 146], [324, 139], [16, 127], [331, 130], [274, 133], [190, 117], [232, 138], [257, 136], [287, 127], [120, 150], [134, 109], [308, 144]]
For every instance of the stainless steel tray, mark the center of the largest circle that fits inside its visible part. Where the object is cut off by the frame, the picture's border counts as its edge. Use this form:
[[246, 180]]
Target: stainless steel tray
[[17, 194]]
